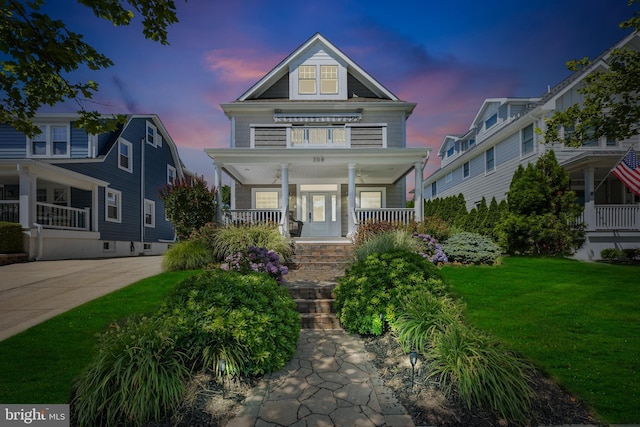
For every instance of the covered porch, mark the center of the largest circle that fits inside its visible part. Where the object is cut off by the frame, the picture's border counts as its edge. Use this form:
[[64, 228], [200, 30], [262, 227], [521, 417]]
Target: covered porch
[[320, 192]]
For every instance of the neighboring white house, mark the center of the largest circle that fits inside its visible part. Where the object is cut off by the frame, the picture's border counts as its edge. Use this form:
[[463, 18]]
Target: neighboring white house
[[481, 162], [319, 140]]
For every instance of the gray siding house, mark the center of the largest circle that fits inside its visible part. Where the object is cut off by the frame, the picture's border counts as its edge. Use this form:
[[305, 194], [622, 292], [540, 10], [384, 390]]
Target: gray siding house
[[318, 140], [481, 162], [79, 195]]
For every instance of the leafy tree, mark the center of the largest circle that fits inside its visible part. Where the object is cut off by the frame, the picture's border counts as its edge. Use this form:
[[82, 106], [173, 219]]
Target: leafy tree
[[39, 54], [611, 105], [542, 211], [189, 205]]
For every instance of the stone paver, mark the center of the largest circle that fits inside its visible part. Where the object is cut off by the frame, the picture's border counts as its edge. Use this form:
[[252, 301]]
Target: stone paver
[[329, 382]]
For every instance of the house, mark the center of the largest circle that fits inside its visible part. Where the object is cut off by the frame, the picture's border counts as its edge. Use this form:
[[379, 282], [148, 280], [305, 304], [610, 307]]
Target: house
[[481, 162], [318, 140], [79, 195]]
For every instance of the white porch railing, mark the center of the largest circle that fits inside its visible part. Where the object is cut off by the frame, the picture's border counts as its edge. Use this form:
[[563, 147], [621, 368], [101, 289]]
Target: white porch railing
[[251, 216], [402, 215], [63, 217], [617, 217]]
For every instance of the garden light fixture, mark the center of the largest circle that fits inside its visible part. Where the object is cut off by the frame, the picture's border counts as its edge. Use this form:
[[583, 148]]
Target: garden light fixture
[[413, 358]]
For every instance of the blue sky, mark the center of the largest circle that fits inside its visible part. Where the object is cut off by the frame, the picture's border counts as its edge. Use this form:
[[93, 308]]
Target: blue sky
[[447, 56]]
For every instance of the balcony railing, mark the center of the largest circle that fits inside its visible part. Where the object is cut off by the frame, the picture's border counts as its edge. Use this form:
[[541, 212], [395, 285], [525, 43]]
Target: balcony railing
[[9, 211], [313, 136], [400, 215], [62, 217]]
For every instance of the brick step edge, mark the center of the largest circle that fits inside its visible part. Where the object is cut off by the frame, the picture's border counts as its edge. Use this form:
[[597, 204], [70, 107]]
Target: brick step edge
[[319, 321], [315, 306]]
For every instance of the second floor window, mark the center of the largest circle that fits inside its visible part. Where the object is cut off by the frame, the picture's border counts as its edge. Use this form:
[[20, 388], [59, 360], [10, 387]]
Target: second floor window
[[527, 140], [113, 206], [307, 79], [328, 79], [465, 170], [172, 175], [489, 159], [52, 141], [124, 156]]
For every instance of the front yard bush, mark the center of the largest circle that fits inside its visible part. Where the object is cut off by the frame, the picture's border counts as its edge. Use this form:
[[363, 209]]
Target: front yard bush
[[471, 248], [258, 260], [187, 255], [10, 238], [386, 241], [248, 320], [233, 239], [370, 292]]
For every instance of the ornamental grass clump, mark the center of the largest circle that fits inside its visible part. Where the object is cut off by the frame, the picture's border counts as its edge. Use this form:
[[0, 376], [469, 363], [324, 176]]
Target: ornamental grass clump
[[258, 260], [232, 239], [187, 255], [482, 372], [384, 242]]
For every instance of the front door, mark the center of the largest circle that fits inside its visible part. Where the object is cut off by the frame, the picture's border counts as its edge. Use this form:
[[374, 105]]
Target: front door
[[321, 217]]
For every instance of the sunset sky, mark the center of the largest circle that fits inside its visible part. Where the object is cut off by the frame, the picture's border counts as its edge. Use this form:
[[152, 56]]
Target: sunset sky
[[447, 56]]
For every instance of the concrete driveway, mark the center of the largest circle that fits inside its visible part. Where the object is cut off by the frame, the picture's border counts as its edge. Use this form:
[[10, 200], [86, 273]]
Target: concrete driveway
[[36, 291]]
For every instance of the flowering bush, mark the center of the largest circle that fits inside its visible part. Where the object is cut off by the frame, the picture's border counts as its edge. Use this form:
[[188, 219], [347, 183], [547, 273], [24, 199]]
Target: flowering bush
[[430, 248], [257, 259]]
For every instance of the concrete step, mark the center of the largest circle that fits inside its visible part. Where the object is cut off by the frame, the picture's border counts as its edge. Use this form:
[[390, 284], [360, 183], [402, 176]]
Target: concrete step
[[320, 291], [319, 321], [314, 305]]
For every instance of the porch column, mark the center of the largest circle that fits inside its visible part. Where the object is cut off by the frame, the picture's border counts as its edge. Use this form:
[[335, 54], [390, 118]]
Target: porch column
[[28, 191], [351, 200], [417, 192], [217, 183], [284, 203], [589, 202]]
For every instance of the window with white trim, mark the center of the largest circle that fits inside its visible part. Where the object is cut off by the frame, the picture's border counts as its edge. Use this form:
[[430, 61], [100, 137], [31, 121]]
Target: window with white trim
[[370, 198], [113, 205], [52, 141], [125, 155], [328, 79], [489, 160], [466, 168], [448, 177], [172, 175], [152, 134], [307, 79], [149, 213], [527, 140], [266, 199]]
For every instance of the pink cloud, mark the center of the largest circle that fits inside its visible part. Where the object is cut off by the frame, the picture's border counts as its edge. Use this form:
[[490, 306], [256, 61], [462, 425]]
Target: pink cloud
[[235, 65]]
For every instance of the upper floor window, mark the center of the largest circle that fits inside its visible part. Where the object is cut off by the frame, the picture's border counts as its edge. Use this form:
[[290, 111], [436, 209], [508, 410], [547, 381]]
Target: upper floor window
[[153, 137], [433, 189], [527, 140], [52, 141], [489, 160], [450, 151], [472, 142], [172, 175], [125, 152], [448, 177], [491, 121], [328, 79], [466, 170], [307, 79]]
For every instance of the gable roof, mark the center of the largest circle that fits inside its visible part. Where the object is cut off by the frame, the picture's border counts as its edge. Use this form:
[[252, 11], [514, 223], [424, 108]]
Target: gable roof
[[282, 69]]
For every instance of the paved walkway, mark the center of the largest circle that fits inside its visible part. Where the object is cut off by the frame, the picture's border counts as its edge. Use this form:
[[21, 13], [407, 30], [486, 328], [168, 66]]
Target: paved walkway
[[33, 292], [329, 382]]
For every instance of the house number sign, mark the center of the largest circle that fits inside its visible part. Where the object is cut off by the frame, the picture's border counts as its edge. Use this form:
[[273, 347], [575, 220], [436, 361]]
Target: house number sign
[[318, 159]]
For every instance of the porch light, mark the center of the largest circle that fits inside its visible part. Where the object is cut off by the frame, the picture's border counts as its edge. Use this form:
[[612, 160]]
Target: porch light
[[413, 358]]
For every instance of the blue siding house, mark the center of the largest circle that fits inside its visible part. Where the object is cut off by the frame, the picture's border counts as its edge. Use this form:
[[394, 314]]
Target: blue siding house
[[79, 195]]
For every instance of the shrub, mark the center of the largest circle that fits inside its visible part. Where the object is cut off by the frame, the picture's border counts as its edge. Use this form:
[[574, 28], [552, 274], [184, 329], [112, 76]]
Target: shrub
[[430, 248], [248, 320], [375, 286], [631, 253], [471, 248], [371, 228], [260, 260], [137, 376], [10, 238], [187, 255], [421, 316], [386, 241], [483, 372], [233, 239], [611, 254], [434, 226], [189, 204]]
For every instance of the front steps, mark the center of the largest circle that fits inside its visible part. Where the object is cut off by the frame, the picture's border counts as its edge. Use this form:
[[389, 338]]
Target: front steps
[[311, 280]]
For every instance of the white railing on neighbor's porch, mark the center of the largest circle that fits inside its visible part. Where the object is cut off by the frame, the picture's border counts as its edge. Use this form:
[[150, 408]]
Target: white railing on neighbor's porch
[[251, 216], [62, 217], [401, 215], [616, 217], [9, 211]]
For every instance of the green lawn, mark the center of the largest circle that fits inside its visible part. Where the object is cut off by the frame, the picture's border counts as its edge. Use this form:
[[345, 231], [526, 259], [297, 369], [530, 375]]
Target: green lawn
[[578, 321], [39, 364]]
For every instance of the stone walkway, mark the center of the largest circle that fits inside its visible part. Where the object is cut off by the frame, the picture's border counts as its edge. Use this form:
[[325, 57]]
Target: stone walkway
[[329, 382]]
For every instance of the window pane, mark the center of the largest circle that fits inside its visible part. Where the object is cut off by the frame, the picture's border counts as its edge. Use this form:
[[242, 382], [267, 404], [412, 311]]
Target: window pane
[[339, 136], [370, 199], [465, 170], [59, 133], [318, 201], [266, 200], [489, 159], [307, 86]]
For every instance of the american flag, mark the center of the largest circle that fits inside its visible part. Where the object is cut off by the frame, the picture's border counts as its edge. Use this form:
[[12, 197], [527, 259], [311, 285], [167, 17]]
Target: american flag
[[628, 171]]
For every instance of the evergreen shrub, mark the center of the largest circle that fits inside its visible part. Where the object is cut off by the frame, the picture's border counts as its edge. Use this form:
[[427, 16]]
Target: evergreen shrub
[[471, 248], [10, 238]]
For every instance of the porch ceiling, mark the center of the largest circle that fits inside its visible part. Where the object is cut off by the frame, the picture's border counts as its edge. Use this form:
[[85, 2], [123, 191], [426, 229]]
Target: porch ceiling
[[306, 166], [11, 169]]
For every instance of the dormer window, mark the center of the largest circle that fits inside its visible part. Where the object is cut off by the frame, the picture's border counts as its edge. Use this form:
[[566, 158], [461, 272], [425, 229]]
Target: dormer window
[[307, 79], [328, 79], [52, 141], [491, 121]]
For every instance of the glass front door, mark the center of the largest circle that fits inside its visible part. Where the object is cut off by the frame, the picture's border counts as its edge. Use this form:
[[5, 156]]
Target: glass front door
[[320, 214]]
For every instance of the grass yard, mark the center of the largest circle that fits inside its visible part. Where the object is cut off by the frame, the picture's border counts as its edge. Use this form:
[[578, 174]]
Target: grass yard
[[39, 365], [579, 322]]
